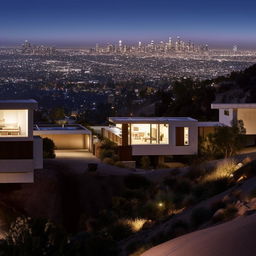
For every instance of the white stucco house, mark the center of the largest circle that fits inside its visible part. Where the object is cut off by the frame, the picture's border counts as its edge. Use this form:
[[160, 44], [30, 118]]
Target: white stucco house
[[229, 112], [153, 136], [20, 151]]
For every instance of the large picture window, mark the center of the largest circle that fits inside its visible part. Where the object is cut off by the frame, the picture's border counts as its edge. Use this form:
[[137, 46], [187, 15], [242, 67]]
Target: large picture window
[[149, 134], [14, 123]]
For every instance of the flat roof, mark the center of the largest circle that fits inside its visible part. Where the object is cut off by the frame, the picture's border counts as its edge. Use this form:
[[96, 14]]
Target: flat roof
[[18, 104], [209, 124], [232, 105], [120, 120], [43, 129], [115, 130]]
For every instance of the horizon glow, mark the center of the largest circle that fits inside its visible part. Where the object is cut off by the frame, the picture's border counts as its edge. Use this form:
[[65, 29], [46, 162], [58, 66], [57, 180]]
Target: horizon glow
[[81, 23]]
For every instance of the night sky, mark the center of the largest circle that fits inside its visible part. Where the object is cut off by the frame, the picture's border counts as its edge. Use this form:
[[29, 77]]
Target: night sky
[[81, 23]]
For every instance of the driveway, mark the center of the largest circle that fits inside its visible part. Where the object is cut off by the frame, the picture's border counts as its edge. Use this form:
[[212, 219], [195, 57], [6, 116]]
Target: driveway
[[77, 161]]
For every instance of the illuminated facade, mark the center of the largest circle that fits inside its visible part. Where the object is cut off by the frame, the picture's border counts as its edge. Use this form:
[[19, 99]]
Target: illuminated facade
[[20, 151], [153, 136], [230, 112]]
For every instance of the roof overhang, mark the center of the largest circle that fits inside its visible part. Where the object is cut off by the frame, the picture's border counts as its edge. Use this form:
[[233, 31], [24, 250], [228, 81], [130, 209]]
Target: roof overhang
[[149, 120], [233, 105], [19, 104]]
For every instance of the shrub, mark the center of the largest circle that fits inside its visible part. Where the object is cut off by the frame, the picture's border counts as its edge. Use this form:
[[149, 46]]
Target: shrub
[[225, 169], [218, 205], [189, 201], [92, 167], [253, 193], [179, 228], [106, 153], [108, 160], [48, 148], [183, 186], [145, 162], [230, 212], [134, 245], [135, 181], [119, 164], [120, 230], [200, 216], [136, 224]]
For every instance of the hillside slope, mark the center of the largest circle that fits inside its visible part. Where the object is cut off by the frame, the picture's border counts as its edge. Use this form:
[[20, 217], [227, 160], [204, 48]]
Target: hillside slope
[[234, 238]]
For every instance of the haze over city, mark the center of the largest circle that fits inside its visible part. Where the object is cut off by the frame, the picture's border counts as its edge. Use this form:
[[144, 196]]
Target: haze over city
[[83, 23]]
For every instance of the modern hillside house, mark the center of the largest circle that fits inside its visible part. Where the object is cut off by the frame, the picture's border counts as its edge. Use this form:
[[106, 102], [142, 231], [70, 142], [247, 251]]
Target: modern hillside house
[[20, 151], [153, 136], [229, 112]]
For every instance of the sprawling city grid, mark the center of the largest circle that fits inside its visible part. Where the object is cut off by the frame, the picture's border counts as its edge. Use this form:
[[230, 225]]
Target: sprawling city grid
[[82, 78]]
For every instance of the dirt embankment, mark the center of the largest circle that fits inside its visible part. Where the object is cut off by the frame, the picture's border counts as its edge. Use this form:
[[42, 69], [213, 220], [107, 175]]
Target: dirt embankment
[[58, 195]]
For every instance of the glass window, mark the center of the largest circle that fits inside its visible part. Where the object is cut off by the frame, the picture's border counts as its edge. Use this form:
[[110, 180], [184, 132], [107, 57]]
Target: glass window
[[182, 136], [14, 123], [154, 133], [163, 134], [140, 134], [149, 134], [186, 136], [226, 112]]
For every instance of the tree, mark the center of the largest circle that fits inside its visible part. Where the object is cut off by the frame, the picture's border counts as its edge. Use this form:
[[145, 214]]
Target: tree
[[225, 142], [48, 148]]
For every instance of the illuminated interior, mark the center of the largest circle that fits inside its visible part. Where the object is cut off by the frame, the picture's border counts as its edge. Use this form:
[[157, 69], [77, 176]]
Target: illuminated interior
[[14, 123], [186, 136], [149, 134]]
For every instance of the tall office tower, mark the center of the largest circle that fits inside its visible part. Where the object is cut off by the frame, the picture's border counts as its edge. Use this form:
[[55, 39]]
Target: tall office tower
[[189, 46], [97, 49], [235, 48], [170, 43], [120, 44], [178, 43], [139, 46]]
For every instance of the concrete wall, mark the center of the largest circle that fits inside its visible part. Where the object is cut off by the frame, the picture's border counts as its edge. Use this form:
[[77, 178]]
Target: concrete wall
[[16, 165], [171, 148], [38, 152], [227, 119], [249, 118], [69, 141], [26, 177]]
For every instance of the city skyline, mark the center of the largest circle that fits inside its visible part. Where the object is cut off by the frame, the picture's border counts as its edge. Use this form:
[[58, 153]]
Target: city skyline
[[82, 23]]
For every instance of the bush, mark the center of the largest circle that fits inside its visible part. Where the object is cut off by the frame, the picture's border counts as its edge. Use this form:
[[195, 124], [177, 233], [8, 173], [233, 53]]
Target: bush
[[108, 160], [106, 153], [230, 212], [135, 181], [92, 167], [48, 148], [200, 216], [224, 170], [145, 162], [253, 193], [120, 230], [178, 228], [119, 164]]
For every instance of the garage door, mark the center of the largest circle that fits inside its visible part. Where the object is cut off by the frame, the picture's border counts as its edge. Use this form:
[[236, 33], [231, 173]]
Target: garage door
[[68, 141]]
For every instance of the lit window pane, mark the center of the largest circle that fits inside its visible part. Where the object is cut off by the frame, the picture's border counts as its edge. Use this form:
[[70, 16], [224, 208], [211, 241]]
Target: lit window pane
[[140, 134], [186, 136], [163, 134], [154, 133], [13, 123]]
